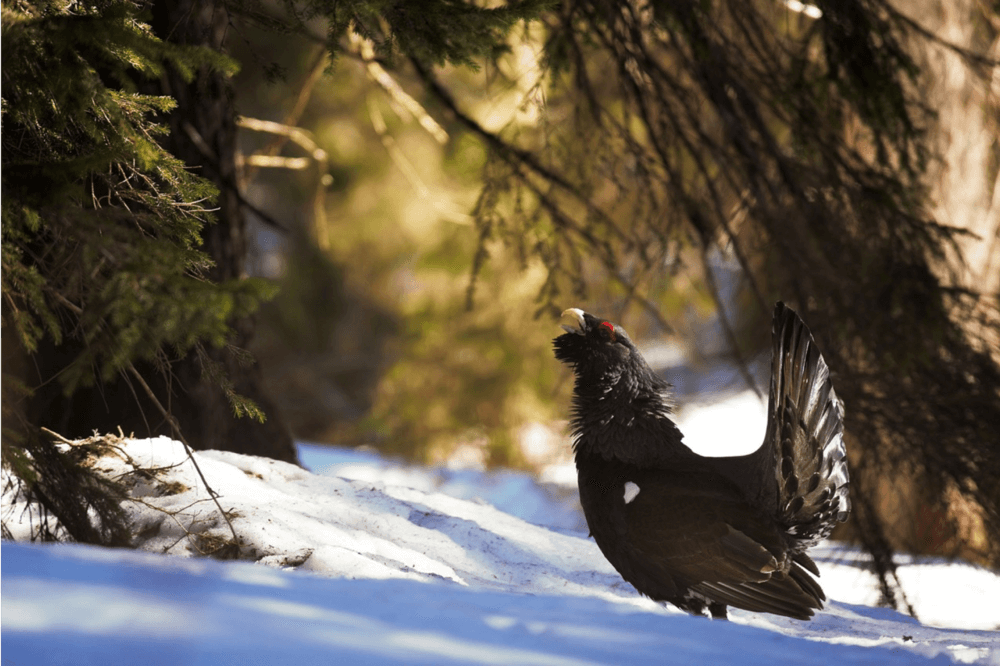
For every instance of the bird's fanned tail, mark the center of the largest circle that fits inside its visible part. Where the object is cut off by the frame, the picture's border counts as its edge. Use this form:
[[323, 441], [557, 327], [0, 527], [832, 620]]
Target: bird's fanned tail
[[805, 434]]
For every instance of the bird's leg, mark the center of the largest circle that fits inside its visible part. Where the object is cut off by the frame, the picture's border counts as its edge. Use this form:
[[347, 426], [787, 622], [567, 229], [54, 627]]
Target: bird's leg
[[718, 611], [694, 605]]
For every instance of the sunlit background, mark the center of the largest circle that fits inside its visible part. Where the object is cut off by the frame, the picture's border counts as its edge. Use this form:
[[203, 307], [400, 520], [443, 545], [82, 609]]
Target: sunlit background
[[403, 326], [378, 308]]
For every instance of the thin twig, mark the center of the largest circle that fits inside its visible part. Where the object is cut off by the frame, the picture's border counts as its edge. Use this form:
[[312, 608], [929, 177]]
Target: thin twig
[[319, 157], [409, 171], [187, 447], [213, 161], [258, 161], [605, 254], [965, 53], [402, 100], [511, 153], [54, 435], [293, 116]]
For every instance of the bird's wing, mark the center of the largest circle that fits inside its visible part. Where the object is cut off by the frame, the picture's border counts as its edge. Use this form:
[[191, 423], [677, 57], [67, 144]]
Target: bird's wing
[[803, 451], [695, 530]]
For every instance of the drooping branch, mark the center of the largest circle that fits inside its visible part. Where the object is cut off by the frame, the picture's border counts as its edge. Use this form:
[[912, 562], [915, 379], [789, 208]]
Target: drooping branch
[[802, 146], [511, 153]]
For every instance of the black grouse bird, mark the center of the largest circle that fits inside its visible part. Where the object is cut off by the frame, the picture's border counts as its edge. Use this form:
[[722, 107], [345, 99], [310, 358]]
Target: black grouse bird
[[700, 532]]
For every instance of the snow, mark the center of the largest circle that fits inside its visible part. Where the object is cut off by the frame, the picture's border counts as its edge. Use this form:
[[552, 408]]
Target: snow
[[731, 427], [373, 561], [553, 501]]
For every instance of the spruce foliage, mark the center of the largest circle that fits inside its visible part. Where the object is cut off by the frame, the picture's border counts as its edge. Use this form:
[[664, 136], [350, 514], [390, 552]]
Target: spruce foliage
[[442, 32], [101, 225]]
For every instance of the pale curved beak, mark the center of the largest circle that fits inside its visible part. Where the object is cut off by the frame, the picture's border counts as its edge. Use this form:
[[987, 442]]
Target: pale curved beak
[[575, 321]]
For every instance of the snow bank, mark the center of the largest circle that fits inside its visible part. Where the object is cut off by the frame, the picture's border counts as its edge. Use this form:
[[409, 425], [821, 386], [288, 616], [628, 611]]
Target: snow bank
[[366, 571], [81, 605]]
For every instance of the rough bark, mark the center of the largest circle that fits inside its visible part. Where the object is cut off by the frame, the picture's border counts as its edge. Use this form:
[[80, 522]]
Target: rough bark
[[203, 134]]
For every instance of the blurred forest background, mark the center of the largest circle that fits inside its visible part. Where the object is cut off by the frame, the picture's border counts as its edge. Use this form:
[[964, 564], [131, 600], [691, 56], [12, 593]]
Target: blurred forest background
[[429, 184]]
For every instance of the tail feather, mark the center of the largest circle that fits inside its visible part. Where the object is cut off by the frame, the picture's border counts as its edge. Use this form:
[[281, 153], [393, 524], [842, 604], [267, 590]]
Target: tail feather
[[805, 434]]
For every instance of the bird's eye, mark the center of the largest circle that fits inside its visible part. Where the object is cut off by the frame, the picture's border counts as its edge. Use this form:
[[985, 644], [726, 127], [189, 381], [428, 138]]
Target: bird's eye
[[608, 330]]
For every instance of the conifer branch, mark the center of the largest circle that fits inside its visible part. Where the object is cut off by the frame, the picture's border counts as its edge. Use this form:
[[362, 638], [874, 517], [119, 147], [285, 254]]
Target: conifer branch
[[518, 158], [402, 101], [209, 156]]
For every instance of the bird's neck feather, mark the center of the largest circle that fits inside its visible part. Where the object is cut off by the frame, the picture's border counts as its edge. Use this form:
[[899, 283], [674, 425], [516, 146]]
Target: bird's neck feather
[[625, 417]]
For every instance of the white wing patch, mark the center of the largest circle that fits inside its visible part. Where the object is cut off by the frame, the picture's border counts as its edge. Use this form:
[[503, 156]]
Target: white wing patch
[[631, 490]]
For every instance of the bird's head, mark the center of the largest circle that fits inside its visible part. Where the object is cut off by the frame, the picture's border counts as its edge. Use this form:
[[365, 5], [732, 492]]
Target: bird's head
[[621, 408], [591, 344]]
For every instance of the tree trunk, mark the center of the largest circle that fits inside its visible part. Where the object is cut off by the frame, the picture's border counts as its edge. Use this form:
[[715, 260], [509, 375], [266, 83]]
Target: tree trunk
[[203, 135]]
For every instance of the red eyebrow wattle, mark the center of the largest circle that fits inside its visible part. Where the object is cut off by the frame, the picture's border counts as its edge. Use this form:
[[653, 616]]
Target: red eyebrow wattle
[[611, 328]]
